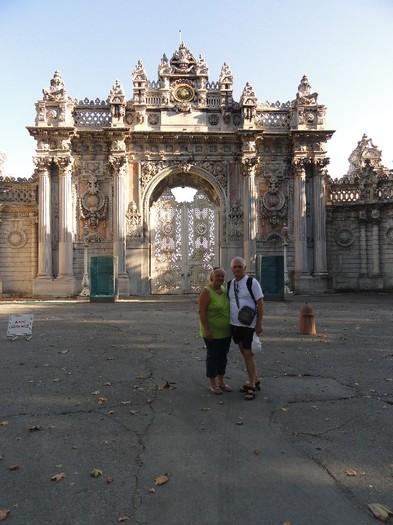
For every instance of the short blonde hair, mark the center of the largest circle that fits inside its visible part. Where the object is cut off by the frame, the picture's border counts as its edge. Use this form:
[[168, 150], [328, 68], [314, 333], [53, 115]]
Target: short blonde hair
[[214, 270]]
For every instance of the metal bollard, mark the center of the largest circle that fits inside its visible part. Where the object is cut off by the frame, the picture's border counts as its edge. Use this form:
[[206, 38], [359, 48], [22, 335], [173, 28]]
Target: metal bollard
[[306, 321]]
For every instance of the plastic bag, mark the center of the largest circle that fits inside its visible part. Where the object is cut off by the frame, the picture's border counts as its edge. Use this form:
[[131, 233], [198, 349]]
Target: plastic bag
[[256, 345]]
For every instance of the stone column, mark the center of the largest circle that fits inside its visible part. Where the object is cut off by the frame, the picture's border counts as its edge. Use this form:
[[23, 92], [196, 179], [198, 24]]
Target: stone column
[[250, 214], [363, 244], [319, 223], [376, 264], [44, 219], [119, 168], [300, 220], [65, 217]]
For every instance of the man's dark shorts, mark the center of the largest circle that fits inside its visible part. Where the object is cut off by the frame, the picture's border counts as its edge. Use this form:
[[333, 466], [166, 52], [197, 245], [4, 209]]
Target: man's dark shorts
[[243, 335]]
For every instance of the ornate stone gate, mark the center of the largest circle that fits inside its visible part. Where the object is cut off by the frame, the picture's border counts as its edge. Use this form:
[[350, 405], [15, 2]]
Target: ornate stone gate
[[104, 168]]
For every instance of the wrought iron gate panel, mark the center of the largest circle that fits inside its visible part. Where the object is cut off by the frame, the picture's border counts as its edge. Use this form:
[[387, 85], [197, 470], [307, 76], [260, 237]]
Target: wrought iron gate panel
[[183, 244]]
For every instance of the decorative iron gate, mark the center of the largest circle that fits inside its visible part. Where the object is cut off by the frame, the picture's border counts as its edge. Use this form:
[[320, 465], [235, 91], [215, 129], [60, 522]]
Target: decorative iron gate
[[184, 244]]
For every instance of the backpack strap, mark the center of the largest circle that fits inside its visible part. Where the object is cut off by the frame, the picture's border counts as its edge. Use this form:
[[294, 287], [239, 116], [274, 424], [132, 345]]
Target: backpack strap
[[249, 286]]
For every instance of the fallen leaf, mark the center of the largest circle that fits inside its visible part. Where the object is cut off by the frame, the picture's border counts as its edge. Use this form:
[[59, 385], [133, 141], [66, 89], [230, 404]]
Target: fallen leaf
[[167, 386], [284, 409], [95, 393], [239, 422], [102, 400], [257, 451], [107, 384], [160, 480], [3, 514], [125, 402], [34, 428], [134, 412], [109, 479], [123, 518], [381, 512], [151, 490], [351, 472], [4, 423], [15, 466], [58, 477], [96, 472]]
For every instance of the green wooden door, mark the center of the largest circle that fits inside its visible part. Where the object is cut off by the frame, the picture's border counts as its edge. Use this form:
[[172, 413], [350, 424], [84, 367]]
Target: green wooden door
[[270, 274]]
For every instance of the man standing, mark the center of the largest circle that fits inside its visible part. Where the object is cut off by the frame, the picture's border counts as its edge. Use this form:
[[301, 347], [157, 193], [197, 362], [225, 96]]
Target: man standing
[[245, 291]]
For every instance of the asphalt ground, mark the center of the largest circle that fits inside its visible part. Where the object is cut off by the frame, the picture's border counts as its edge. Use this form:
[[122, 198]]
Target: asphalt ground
[[119, 390]]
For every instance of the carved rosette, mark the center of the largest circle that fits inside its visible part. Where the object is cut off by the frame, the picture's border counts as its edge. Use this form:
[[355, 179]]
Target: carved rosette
[[15, 235], [344, 237]]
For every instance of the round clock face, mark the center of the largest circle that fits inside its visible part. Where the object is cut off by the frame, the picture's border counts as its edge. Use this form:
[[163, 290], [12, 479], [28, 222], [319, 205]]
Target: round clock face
[[184, 93]]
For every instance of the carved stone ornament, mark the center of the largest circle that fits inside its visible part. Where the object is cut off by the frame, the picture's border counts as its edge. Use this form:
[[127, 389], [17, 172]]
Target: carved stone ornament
[[93, 205], [344, 237], [235, 222], [389, 235], [273, 203], [134, 221], [15, 237], [56, 91], [304, 95]]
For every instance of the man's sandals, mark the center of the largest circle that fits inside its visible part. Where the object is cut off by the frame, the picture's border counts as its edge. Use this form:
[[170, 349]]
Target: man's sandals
[[250, 393], [245, 387]]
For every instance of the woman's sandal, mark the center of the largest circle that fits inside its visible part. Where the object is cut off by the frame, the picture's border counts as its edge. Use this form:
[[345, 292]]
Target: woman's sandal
[[251, 392], [246, 386]]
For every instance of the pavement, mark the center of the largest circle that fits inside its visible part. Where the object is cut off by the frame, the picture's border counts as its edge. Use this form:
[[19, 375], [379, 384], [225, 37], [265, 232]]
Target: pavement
[[106, 417]]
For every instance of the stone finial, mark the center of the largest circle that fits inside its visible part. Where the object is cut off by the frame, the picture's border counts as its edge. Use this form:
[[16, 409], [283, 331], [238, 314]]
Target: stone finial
[[139, 72], [304, 95], [56, 90]]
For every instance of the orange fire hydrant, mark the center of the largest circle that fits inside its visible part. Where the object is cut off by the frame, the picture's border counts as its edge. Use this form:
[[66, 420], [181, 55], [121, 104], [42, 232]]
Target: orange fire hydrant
[[306, 321]]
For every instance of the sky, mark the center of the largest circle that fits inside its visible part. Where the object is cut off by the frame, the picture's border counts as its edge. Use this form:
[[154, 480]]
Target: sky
[[344, 47]]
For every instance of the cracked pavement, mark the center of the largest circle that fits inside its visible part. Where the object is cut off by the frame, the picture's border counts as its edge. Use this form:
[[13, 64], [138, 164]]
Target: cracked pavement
[[121, 388]]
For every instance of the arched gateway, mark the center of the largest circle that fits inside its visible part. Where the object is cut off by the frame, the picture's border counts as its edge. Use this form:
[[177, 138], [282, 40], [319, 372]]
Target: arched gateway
[[105, 171]]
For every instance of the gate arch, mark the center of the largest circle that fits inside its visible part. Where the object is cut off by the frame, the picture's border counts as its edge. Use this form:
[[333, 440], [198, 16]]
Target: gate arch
[[184, 238]]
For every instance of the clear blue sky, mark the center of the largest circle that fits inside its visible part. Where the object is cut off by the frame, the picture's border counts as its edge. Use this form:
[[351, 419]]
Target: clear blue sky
[[345, 48]]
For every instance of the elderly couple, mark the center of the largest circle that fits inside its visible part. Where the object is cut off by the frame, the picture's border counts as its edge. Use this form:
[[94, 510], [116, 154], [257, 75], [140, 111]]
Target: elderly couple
[[218, 313]]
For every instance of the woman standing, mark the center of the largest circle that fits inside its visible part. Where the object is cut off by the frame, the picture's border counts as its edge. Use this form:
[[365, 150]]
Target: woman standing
[[215, 330]]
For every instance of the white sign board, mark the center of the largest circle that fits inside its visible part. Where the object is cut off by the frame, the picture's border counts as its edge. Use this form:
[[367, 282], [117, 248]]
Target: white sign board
[[20, 325]]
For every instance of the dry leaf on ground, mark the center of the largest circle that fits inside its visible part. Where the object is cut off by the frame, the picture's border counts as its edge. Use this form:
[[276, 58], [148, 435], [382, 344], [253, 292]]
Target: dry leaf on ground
[[380, 511], [3, 514], [351, 472], [123, 518], [96, 472], [59, 476], [15, 466], [167, 386], [160, 480]]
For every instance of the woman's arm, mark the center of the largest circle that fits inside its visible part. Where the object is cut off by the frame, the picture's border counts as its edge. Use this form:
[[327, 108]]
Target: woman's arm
[[204, 300]]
